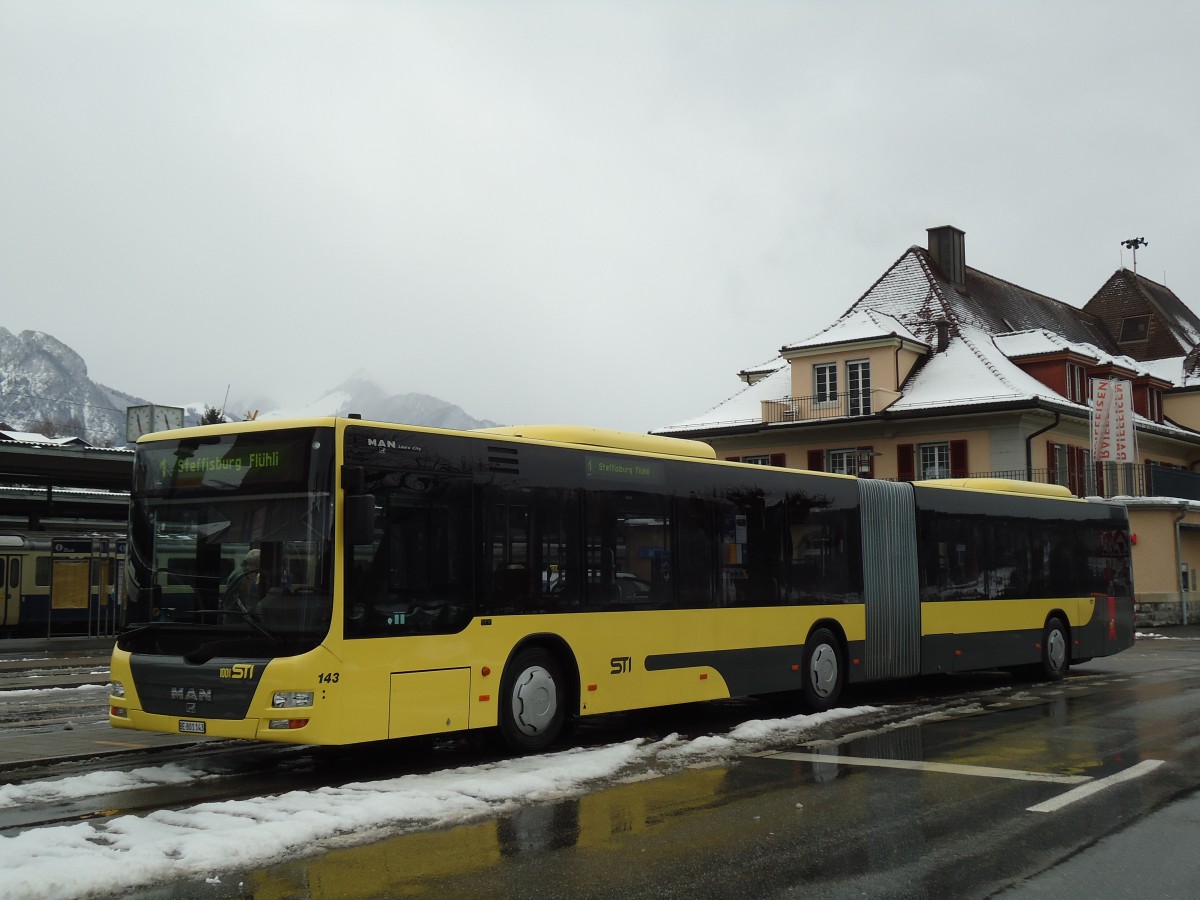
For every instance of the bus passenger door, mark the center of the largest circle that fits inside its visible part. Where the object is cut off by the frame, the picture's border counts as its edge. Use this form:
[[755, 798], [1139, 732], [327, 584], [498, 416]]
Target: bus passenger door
[[891, 585], [10, 578]]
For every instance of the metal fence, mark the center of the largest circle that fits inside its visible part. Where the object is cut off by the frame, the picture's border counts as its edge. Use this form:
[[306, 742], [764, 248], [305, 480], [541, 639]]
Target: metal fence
[[834, 405]]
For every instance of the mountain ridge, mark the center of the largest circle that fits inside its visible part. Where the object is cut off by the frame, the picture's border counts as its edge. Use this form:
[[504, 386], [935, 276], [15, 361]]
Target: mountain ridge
[[45, 389]]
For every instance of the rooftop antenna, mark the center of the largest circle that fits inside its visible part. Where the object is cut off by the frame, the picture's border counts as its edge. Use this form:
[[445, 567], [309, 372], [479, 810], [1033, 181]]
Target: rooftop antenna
[[1133, 244]]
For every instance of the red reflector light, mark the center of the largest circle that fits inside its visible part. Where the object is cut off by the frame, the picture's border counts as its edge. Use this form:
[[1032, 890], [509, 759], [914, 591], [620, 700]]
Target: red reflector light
[[704, 676], [484, 698], [297, 723], [592, 687]]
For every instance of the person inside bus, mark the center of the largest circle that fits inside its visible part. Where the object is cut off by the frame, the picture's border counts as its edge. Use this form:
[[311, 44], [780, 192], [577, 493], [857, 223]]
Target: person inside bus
[[244, 582]]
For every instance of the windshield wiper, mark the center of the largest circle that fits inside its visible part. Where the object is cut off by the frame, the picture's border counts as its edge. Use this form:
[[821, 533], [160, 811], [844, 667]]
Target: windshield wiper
[[247, 617]]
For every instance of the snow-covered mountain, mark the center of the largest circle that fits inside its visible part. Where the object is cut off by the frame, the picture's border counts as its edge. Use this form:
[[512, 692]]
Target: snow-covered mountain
[[361, 395], [45, 388]]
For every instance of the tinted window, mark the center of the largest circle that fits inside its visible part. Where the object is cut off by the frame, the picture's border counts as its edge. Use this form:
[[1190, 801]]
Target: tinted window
[[532, 541], [629, 560], [415, 577]]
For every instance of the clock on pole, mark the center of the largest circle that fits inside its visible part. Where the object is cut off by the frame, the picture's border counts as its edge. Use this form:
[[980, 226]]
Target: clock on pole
[[150, 417]]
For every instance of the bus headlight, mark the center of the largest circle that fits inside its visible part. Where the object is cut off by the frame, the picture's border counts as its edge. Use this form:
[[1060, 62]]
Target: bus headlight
[[292, 699], [117, 689]]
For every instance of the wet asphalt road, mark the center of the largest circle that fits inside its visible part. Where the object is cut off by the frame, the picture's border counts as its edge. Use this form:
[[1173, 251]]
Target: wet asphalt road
[[973, 787]]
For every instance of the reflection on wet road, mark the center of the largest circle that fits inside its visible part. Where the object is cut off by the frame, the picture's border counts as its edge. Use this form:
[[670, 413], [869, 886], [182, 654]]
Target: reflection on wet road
[[941, 799]]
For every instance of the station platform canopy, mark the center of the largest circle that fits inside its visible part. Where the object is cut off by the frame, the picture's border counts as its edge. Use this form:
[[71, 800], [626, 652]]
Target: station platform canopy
[[49, 483]]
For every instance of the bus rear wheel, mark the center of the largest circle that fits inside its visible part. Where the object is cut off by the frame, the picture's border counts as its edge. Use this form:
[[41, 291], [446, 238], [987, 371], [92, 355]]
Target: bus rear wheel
[[1056, 650], [824, 673], [532, 701]]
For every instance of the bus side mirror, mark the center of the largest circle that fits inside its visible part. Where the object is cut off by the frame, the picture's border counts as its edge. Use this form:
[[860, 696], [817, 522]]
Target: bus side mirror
[[360, 518], [354, 479]]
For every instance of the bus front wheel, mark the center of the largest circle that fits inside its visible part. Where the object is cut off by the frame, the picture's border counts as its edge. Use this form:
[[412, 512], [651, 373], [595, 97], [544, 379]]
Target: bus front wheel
[[824, 674], [532, 701]]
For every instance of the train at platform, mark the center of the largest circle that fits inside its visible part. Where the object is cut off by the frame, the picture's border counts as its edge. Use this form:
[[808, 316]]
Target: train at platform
[[54, 585]]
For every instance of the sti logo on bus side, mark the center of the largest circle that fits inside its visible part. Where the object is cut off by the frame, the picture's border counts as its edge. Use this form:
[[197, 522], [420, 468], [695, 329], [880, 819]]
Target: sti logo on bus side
[[621, 665]]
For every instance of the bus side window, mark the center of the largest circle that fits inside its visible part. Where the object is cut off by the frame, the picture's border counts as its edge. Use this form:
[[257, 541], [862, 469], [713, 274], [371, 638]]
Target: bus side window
[[629, 553], [417, 579]]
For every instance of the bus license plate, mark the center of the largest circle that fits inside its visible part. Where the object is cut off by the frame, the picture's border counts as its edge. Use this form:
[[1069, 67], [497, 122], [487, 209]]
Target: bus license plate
[[187, 727]]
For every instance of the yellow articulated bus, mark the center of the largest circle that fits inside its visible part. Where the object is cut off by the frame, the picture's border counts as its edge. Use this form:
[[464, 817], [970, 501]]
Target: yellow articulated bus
[[334, 580]]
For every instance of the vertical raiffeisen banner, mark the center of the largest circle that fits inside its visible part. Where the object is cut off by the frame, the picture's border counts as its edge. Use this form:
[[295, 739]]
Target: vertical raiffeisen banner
[[1113, 436]]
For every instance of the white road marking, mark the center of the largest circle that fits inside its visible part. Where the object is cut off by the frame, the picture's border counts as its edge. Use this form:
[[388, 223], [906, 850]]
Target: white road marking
[[1087, 785], [1145, 767], [945, 768]]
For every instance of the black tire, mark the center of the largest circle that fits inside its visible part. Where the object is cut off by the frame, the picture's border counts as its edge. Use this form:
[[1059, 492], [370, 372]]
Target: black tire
[[824, 670], [1056, 650], [533, 701]]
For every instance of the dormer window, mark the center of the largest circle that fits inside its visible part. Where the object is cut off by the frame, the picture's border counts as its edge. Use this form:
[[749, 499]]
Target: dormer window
[[1076, 383], [1134, 328], [825, 382]]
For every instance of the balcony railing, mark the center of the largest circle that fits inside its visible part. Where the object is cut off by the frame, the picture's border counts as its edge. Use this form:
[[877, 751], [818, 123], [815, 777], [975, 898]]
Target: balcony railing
[[841, 405]]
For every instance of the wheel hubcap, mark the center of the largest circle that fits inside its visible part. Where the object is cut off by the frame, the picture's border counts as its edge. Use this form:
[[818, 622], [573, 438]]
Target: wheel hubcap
[[823, 670], [534, 700], [1056, 649]]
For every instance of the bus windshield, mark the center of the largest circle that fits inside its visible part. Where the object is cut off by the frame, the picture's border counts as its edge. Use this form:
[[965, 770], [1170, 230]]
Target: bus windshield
[[233, 534]]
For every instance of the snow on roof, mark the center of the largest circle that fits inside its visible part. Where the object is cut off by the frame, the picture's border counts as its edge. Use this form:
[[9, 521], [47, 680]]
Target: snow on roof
[[1035, 342], [1171, 369], [906, 291], [989, 323], [744, 406], [32, 437], [971, 370], [857, 325]]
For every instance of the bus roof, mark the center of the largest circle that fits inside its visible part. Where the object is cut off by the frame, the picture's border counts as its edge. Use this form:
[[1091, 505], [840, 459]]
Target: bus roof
[[604, 437], [580, 435], [1002, 485]]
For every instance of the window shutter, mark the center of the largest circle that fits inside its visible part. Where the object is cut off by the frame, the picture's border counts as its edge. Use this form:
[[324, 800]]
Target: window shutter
[[779, 459], [733, 459], [816, 460], [866, 454], [1051, 463], [906, 462], [958, 459]]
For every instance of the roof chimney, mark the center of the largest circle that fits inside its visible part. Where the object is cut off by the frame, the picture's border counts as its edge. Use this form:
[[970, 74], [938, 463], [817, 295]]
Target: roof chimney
[[943, 335], [947, 248]]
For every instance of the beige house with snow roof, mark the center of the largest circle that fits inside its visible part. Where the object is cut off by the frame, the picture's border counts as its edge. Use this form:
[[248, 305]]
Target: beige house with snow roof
[[940, 370]]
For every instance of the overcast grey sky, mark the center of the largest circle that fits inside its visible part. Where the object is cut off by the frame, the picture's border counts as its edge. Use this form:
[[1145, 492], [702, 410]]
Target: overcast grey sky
[[560, 212]]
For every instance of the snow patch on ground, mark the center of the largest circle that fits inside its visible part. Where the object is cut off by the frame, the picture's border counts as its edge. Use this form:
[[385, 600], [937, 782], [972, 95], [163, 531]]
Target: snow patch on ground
[[103, 858]]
